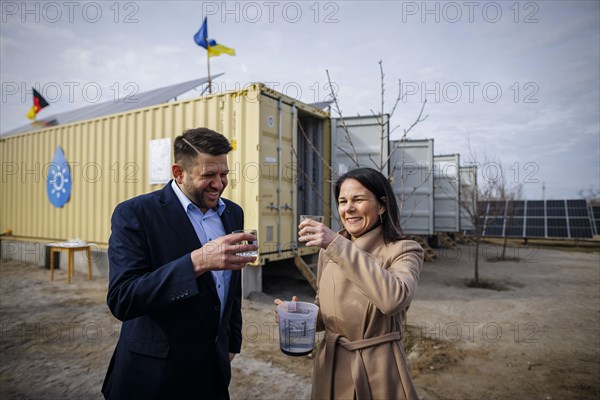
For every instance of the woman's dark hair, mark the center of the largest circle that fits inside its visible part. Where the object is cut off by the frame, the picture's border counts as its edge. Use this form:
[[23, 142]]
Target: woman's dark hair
[[377, 184], [199, 140]]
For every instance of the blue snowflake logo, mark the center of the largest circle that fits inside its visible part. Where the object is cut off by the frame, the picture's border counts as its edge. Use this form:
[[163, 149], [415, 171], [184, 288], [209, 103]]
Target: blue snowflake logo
[[58, 184]]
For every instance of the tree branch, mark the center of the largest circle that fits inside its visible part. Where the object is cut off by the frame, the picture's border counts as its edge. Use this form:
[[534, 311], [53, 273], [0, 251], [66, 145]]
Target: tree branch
[[354, 156]]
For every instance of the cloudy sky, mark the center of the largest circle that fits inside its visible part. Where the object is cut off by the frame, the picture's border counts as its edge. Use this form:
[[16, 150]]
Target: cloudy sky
[[515, 82]]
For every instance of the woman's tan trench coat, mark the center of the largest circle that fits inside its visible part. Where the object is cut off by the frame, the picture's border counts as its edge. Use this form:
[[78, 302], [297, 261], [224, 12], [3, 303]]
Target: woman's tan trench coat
[[364, 290]]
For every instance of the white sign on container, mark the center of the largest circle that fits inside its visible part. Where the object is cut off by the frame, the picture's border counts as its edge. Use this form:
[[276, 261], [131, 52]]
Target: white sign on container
[[159, 161]]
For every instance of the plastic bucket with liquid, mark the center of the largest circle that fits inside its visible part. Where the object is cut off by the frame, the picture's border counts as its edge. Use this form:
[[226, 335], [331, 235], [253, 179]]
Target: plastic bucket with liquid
[[297, 325]]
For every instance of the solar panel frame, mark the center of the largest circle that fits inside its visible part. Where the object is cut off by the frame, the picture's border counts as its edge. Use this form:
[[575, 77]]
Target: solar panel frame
[[595, 217]]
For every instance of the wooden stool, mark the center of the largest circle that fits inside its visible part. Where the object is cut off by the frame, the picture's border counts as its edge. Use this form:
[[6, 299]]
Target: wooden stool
[[70, 248]]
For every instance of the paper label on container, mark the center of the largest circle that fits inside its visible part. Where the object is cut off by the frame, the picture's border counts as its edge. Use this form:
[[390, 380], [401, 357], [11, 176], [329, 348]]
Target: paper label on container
[[159, 161]]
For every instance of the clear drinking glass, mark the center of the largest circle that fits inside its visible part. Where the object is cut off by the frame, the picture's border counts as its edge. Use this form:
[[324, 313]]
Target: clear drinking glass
[[254, 242], [318, 218]]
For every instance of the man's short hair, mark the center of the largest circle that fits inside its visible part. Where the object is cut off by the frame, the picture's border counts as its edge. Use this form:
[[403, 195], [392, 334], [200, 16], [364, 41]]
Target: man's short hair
[[199, 140]]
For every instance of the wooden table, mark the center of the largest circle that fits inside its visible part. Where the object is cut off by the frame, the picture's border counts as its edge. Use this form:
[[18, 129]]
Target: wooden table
[[70, 248]]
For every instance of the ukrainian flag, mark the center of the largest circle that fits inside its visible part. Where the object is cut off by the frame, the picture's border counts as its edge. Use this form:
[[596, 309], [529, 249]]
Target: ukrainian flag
[[212, 47]]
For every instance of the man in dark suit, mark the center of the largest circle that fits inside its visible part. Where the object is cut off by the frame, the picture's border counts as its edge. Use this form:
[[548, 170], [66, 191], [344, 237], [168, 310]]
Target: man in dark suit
[[175, 280]]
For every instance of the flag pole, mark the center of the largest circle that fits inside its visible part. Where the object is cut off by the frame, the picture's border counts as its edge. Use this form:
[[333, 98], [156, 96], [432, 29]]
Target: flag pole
[[209, 79], [208, 66]]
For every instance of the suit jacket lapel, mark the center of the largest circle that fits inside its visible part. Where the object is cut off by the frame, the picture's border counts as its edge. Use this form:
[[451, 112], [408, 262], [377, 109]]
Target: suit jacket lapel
[[228, 225], [226, 219], [181, 225], [178, 219]]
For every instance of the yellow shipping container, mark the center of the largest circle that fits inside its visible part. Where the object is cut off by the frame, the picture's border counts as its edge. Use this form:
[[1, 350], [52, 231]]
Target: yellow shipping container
[[279, 166]]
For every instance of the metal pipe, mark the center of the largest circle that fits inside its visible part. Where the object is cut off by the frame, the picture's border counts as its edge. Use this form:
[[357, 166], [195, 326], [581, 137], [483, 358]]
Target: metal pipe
[[280, 170], [292, 158]]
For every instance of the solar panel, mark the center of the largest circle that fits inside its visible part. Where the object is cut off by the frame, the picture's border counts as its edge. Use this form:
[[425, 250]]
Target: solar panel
[[493, 226], [577, 208], [126, 103], [580, 227], [535, 227], [535, 208], [539, 218], [482, 207], [557, 227], [555, 208], [515, 208], [497, 208], [514, 227]]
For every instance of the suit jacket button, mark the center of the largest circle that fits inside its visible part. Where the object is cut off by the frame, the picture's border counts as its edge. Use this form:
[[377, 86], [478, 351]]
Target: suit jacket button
[[216, 308], [186, 292]]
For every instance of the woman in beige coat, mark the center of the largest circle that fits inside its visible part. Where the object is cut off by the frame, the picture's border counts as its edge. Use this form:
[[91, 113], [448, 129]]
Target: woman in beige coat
[[367, 277]]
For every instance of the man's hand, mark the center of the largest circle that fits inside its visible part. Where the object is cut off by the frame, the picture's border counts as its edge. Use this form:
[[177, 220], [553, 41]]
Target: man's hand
[[222, 253]]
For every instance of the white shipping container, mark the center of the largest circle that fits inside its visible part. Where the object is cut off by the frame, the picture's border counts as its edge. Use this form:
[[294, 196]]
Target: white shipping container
[[412, 180], [446, 179]]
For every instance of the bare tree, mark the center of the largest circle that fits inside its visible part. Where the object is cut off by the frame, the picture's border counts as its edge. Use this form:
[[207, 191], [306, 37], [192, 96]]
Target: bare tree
[[383, 123], [383, 117], [350, 149], [591, 194], [494, 189]]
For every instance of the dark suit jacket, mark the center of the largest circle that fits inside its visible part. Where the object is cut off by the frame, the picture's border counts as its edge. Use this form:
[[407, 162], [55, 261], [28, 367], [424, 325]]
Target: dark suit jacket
[[171, 344]]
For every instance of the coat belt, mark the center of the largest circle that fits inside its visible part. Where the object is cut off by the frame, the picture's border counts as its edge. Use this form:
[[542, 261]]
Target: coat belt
[[357, 366]]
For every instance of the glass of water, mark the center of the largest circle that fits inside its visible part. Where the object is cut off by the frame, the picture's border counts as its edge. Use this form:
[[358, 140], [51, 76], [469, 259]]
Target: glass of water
[[254, 242]]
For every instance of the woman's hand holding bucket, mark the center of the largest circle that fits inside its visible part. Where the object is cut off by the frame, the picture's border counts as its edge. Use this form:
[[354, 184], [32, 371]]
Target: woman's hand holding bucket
[[278, 302]]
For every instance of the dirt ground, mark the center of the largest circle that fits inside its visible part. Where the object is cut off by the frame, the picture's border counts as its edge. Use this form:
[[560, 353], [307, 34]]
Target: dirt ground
[[538, 338]]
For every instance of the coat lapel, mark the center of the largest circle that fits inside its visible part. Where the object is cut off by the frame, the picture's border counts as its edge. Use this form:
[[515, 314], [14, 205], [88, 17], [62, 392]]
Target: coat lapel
[[181, 225], [227, 222], [178, 219], [228, 225]]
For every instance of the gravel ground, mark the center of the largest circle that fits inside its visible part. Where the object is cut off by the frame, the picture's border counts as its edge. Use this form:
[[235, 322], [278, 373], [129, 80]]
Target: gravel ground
[[535, 339]]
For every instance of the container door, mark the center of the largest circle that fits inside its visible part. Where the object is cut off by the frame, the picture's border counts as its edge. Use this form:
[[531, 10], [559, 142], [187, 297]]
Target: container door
[[412, 173], [310, 165], [360, 142], [446, 193]]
